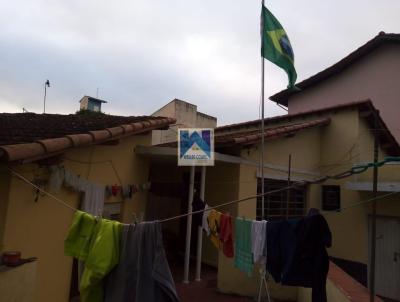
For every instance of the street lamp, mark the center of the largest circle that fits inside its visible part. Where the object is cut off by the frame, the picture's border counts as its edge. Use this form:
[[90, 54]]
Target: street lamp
[[46, 84]]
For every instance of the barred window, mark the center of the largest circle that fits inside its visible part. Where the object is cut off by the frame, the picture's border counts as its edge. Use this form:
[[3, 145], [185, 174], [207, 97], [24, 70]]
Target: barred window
[[279, 205], [330, 198]]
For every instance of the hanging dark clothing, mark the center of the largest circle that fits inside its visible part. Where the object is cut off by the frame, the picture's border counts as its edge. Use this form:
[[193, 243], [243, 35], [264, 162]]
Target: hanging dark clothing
[[197, 205], [299, 253], [143, 273]]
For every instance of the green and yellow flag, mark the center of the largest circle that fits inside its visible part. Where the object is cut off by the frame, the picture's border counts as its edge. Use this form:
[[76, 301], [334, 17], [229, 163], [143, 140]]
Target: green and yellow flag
[[275, 45]]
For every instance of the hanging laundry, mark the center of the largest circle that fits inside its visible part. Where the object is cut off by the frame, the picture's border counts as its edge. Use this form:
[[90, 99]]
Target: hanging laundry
[[56, 178], [226, 235], [71, 180], [197, 205], [243, 254], [258, 237], [115, 190], [205, 225], [297, 253], [108, 191], [143, 273], [77, 243], [99, 256], [147, 186], [125, 191], [213, 219], [130, 191], [93, 202]]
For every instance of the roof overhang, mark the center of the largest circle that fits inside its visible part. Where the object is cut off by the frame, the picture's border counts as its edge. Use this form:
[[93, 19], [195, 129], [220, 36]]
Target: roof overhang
[[171, 154]]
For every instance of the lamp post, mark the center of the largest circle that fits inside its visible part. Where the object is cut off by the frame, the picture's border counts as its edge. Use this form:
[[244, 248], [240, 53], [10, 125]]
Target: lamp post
[[46, 84]]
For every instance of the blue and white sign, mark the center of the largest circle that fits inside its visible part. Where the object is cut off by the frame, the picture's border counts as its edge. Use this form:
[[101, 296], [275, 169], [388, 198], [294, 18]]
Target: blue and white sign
[[195, 147]]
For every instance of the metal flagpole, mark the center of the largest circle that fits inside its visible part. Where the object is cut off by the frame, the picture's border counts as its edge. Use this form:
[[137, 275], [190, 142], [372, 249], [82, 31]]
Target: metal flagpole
[[263, 272], [262, 125]]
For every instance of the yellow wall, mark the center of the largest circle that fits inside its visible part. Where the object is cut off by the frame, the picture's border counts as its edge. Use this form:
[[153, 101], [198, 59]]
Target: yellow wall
[[304, 148], [221, 186], [326, 150], [4, 192], [39, 228]]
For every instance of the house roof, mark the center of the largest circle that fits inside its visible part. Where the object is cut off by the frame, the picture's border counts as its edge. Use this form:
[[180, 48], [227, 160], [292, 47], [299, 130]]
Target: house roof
[[26, 136], [382, 38], [90, 98], [387, 140], [250, 137]]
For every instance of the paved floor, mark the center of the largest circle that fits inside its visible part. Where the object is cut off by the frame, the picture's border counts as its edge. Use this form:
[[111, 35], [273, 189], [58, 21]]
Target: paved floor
[[205, 290]]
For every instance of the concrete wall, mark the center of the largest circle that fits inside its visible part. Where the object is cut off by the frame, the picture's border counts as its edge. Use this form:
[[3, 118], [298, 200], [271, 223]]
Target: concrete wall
[[186, 116], [39, 228], [374, 77]]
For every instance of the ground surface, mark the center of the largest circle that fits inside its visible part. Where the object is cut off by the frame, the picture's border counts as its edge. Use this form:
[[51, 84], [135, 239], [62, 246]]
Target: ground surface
[[203, 291]]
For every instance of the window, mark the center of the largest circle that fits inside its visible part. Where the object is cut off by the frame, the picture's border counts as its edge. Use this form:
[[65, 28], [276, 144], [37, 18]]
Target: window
[[330, 198], [279, 205]]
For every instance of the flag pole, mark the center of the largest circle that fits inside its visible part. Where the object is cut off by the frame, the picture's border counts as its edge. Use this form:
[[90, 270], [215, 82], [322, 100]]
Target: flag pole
[[262, 122]]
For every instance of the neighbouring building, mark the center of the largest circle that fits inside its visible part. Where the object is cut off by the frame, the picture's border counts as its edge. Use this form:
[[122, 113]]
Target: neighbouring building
[[321, 142], [186, 116], [95, 147], [370, 72], [90, 103]]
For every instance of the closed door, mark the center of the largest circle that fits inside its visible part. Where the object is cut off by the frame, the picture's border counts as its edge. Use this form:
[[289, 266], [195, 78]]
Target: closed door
[[387, 276]]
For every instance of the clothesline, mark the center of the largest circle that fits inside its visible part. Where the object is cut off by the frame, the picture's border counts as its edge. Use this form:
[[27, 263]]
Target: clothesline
[[213, 207]]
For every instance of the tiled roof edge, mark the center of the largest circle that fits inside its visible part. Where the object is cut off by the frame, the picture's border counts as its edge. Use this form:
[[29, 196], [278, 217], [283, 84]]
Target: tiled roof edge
[[47, 147]]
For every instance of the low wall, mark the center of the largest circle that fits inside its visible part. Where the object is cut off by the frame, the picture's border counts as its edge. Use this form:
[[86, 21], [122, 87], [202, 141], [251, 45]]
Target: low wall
[[340, 287], [17, 284]]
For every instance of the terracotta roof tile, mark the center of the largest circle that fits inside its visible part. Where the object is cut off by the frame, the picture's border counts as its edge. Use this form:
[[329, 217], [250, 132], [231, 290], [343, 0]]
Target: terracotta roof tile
[[29, 136], [253, 136], [386, 138], [18, 128]]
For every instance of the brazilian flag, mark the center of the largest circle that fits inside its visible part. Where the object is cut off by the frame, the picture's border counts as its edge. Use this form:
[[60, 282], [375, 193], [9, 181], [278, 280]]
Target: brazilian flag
[[275, 45]]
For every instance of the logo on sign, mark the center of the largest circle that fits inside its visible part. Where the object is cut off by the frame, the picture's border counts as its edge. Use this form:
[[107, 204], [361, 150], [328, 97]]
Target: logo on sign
[[195, 147]]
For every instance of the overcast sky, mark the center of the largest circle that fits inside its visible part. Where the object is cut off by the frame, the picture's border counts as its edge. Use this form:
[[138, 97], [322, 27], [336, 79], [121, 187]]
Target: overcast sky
[[141, 54]]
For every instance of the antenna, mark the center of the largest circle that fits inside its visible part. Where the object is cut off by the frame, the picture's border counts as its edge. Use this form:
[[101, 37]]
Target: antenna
[[97, 93]]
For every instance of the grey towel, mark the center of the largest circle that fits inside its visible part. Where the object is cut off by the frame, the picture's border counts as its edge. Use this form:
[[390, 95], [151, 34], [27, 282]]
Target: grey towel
[[143, 274]]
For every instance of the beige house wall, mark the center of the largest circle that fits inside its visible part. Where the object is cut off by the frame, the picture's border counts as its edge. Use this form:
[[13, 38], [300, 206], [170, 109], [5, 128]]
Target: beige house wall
[[375, 76], [326, 150], [38, 229]]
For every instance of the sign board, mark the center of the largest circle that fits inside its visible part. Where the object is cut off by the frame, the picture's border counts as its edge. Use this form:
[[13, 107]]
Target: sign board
[[195, 147]]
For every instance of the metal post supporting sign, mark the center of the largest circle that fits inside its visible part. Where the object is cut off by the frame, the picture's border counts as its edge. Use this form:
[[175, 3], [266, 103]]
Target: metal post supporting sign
[[195, 148]]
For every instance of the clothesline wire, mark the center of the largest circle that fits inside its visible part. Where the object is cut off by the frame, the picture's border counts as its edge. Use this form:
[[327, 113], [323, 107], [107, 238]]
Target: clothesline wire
[[108, 161], [42, 190], [294, 185]]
